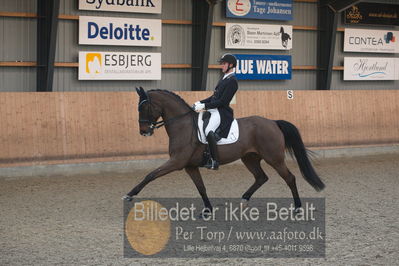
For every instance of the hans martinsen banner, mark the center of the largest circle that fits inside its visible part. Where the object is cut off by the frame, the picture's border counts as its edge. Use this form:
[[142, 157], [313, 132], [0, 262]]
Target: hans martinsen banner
[[371, 68], [258, 36], [119, 66], [136, 6], [120, 31], [371, 41], [263, 67], [259, 9]]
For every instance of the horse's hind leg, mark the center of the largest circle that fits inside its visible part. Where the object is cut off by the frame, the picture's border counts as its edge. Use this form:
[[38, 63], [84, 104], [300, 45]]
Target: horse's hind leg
[[252, 162], [289, 178]]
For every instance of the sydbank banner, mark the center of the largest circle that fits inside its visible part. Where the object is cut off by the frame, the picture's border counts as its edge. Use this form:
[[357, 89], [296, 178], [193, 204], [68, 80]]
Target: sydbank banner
[[137, 6], [258, 36], [120, 31], [371, 68], [263, 67], [259, 9], [371, 41], [119, 66]]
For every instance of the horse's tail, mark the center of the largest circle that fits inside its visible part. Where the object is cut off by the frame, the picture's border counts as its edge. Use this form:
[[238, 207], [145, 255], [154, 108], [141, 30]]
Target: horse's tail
[[294, 144]]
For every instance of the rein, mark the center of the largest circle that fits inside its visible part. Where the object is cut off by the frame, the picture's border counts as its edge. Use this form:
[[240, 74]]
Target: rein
[[159, 124]]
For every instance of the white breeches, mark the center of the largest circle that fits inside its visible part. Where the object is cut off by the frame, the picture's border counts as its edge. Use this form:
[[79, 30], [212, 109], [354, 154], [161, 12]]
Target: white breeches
[[214, 121]]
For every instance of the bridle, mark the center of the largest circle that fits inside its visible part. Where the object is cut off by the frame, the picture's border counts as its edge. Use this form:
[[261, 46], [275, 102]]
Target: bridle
[[158, 124]]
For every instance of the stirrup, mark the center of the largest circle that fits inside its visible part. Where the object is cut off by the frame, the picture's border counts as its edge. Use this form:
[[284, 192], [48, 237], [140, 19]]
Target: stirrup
[[212, 164]]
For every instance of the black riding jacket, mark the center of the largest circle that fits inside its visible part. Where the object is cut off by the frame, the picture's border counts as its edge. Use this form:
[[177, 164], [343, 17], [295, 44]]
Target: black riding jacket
[[221, 98]]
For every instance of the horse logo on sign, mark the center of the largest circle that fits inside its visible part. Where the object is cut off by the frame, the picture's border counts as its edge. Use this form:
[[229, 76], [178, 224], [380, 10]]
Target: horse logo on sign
[[236, 36]]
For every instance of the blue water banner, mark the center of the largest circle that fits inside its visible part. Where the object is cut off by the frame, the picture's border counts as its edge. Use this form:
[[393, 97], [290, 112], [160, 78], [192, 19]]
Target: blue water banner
[[259, 9], [263, 67]]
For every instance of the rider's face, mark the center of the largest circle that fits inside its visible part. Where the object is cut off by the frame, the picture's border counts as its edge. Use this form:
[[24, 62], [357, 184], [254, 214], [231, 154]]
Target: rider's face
[[225, 67]]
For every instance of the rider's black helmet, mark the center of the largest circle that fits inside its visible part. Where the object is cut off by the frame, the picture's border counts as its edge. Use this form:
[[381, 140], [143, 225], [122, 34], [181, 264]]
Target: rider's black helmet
[[228, 58]]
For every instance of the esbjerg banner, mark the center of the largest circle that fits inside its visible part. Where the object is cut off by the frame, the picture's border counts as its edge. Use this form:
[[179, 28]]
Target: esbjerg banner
[[371, 41], [119, 66], [371, 68], [120, 31], [258, 36], [133, 6], [263, 67]]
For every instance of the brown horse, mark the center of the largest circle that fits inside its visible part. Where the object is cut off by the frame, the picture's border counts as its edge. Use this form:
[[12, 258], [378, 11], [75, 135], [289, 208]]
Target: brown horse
[[260, 138]]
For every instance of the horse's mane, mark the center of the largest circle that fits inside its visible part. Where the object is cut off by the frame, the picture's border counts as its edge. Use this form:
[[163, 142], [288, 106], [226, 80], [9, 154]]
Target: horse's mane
[[180, 99]]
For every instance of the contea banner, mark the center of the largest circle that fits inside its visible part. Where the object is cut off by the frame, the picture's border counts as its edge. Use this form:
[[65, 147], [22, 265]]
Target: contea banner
[[259, 9], [136, 6], [119, 66], [263, 67], [258, 36], [371, 68], [120, 31], [371, 41]]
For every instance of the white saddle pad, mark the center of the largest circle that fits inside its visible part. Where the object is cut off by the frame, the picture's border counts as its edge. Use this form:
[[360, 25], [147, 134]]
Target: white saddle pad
[[232, 137]]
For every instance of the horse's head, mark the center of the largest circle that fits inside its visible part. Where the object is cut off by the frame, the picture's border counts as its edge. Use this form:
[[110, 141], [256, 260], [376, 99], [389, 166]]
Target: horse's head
[[281, 30], [148, 114]]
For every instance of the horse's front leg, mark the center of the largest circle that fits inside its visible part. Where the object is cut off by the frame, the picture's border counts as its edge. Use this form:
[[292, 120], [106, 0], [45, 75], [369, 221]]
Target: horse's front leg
[[195, 175], [170, 166]]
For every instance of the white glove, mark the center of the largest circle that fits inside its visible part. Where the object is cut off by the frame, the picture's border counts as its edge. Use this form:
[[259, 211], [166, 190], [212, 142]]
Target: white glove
[[199, 106]]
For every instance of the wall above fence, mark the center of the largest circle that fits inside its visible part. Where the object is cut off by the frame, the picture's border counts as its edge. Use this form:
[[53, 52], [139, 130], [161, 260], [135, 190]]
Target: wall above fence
[[75, 127]]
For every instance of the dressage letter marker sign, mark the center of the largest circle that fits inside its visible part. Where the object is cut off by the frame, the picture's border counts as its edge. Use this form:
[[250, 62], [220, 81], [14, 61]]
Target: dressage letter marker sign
[[119, 66], [263, 67], [120, 31], [137, 6], [258, 36]]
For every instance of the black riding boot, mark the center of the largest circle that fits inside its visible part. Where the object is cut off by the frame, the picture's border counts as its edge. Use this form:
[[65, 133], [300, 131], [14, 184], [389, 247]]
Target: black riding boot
[[213, 163]]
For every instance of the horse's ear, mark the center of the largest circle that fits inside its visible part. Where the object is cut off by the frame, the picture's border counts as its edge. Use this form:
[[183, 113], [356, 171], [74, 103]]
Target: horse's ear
[[143, 93], [138, 91]]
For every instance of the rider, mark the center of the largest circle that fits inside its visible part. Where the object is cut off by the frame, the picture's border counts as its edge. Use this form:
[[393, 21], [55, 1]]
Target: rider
[[218, 106]]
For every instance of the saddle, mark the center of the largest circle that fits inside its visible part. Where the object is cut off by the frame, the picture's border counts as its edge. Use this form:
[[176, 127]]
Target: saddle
[[203, 120]]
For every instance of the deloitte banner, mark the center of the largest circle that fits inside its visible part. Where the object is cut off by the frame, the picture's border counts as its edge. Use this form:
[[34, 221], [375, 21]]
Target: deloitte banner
[[371, 41], [258, 36], [137, 6], [371, 68], [119, 66], [259, 9], [120, 31], [261, 67]]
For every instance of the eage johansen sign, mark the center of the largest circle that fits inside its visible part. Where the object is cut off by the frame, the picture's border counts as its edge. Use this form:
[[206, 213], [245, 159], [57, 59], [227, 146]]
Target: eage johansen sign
[[259, 9]]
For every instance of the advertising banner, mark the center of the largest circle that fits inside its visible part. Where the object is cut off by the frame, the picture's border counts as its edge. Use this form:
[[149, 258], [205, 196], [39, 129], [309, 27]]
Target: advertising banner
[[134, 6], [259, 9], [120, 31], [372, 14], [371, 68], [371, 41], [263, 67], [183, 228], [119, 66], [258, 36]]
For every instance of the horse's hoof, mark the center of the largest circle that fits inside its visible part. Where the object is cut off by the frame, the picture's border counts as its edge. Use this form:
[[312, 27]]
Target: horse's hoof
[[205, 214], [127, 198], [298, 210], [244, 203]]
